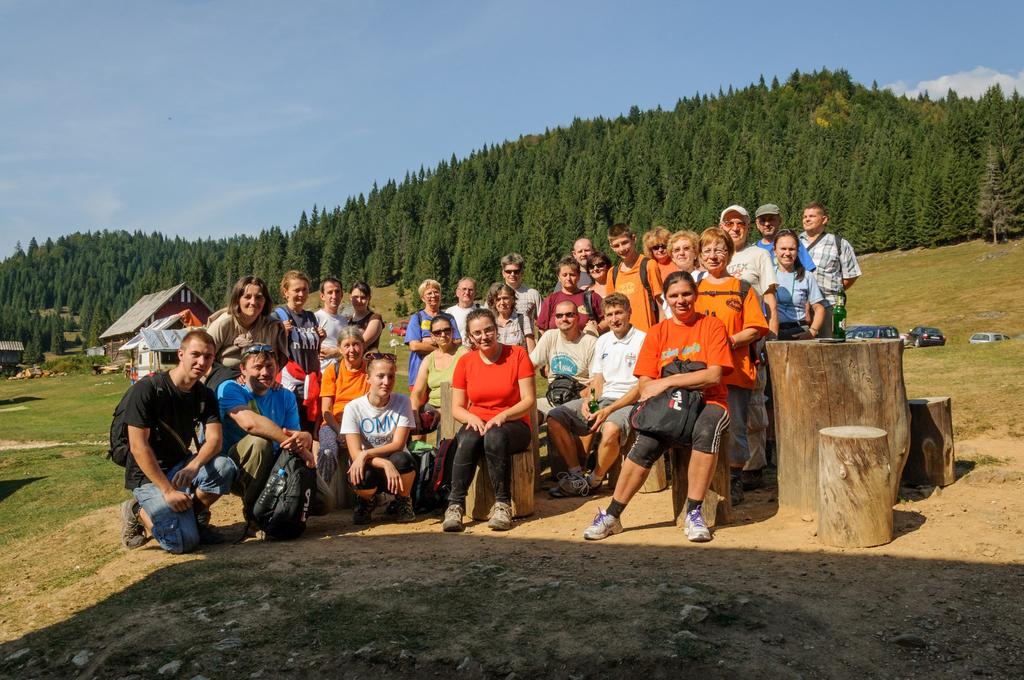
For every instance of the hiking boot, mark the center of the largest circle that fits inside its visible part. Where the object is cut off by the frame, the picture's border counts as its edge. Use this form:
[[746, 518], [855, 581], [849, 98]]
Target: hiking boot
[[572, 483], [594, 483], [695, 527], [752, 479], [133, 534], [604, 525], [501, 517], [363, 511], [403, 509], [453, 518], [736, 490]]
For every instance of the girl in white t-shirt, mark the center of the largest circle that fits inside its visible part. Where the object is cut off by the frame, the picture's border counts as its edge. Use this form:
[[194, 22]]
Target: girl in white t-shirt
[[376, 428]]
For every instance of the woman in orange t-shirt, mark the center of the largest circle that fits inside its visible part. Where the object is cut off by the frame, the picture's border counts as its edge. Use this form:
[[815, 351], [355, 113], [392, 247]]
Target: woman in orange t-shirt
[[720, 296], [688, 335], [492, 393], [343, 381]]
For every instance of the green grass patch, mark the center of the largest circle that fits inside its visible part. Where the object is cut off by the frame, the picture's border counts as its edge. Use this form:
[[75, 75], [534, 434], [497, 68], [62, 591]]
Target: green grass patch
[[73, 408], [43, 489]]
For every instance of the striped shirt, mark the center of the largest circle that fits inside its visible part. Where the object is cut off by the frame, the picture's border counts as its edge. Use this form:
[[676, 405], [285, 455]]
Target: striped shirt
[[834, 261]]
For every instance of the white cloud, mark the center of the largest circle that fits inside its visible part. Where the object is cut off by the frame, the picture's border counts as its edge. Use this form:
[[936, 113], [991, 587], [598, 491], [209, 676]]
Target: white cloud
[[973, 84]]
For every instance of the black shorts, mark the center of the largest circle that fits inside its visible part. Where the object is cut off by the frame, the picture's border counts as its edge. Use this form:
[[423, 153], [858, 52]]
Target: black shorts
[[374, 477], [711, 424]]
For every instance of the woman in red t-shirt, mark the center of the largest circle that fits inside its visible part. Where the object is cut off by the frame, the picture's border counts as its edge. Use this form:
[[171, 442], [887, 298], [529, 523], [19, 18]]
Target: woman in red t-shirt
[[687, 335], [492, 393]]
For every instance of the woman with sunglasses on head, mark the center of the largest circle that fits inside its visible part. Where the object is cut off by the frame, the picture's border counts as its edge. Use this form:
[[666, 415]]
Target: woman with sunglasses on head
[[655, 247], [247, 321], [368, 321], [344, 381], [734, 302], [687, 335], [795, 291], [437, 368], [598, 267], [513, 328], [492, 393], [376, 428]]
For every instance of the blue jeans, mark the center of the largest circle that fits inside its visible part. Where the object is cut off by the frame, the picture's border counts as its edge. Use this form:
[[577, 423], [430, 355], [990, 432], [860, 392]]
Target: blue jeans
[[177, 532]]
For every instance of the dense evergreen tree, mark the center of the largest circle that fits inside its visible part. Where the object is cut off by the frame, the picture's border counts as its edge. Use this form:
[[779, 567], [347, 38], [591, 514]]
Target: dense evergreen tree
[[894, 173]]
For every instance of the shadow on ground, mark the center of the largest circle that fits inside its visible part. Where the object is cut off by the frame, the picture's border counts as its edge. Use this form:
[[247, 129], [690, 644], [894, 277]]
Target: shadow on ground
[[423, 604], [9, 486]]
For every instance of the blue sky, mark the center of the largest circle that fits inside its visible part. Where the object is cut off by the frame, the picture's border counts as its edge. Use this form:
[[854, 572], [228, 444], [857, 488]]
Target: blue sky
[[213, 118]]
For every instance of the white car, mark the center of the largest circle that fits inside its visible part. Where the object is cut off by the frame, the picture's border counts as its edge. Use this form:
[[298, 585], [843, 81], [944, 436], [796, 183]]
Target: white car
[[979, 338]]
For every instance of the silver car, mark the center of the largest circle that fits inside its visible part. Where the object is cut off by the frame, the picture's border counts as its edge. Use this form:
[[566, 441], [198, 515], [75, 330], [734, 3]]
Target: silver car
[[979, 338]]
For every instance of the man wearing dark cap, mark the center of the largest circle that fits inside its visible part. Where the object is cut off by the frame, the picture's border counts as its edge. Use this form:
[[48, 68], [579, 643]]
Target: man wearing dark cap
[[769, 221]]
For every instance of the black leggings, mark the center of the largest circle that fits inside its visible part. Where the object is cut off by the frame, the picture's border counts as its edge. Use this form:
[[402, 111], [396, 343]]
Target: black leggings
[[374, 477], [497, 447]]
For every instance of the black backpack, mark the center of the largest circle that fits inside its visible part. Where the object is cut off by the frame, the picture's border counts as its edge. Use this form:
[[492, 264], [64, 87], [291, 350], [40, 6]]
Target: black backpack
[[562, 389], [119, 448], [282, 508], [424, 497], [645, 281], [671, 414]]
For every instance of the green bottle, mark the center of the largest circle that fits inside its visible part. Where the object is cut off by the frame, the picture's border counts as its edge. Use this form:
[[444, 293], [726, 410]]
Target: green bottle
[[839, 318], [594, 405]]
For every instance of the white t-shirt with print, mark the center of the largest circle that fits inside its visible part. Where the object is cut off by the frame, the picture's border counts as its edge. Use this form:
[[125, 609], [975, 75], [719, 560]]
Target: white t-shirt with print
[[614, 359], [376, 426], [563, 357], [754, 265], [332, 325]]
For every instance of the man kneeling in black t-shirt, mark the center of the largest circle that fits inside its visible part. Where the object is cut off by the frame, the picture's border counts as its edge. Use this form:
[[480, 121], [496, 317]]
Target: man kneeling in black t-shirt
[[173, 489]]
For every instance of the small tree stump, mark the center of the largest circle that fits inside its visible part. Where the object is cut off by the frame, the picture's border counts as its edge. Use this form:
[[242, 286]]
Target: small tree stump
[[818, 385], [930, 461], [657, 480], [717, 506], [854, 485], [480, 496]]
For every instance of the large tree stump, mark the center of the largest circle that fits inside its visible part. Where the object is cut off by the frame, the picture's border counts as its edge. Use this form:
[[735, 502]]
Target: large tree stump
[[855, 479], [717, 506], [818, 385], [931, 442], [657, 480], [480, 495]]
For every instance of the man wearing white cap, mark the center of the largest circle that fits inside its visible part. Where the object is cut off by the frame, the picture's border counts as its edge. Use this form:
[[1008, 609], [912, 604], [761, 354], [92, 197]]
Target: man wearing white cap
[[755, 266]]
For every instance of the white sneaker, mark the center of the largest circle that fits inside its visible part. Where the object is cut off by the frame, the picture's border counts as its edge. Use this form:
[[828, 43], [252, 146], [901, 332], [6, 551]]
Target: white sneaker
[[695, 527], [604, 526]]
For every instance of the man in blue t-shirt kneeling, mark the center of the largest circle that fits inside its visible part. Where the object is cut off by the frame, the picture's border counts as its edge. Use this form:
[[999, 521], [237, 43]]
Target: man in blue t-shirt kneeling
[[260, 417]]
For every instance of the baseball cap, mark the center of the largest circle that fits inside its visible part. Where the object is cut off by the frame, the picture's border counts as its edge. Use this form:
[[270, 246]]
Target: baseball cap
[[735, 208], [767, 209]]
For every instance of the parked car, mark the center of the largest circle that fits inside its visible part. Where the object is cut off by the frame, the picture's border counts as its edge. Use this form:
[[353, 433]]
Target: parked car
[[926, 336], [979, 338], [872, 333]]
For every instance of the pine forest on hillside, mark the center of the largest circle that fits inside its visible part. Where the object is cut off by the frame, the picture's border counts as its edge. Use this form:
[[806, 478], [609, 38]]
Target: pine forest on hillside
[[895, 173]]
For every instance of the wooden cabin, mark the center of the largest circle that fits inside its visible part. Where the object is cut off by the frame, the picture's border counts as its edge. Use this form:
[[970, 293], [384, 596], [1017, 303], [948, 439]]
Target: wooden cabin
[[149, 309], [11, 352]]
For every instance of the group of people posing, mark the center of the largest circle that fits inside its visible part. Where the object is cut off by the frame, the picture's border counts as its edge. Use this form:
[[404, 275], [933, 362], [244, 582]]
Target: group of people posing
[[259, 380]]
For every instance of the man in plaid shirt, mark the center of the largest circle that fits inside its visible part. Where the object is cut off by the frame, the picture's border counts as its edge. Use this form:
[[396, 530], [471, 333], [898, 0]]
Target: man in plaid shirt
[[836, 263]]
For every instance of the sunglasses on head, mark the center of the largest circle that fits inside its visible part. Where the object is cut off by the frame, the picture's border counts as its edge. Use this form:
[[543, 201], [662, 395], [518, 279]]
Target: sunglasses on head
[[386, 356], [257, 349]]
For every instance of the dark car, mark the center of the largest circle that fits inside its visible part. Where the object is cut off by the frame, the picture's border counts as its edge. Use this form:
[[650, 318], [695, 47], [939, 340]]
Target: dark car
[[872, 333], [926, 336]]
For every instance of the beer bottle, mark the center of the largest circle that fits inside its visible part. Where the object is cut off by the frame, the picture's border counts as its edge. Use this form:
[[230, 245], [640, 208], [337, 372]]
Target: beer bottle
[[839, 317], [594, 405]]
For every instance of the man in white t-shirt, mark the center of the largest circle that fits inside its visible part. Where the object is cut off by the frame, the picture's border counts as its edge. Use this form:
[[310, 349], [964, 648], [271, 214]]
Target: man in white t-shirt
[[614, 386], [329, 318], [754, 265], [465, 293], [528, 300]]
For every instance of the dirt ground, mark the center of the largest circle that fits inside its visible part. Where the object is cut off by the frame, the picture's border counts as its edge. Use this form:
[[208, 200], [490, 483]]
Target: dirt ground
[[764, 599]]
